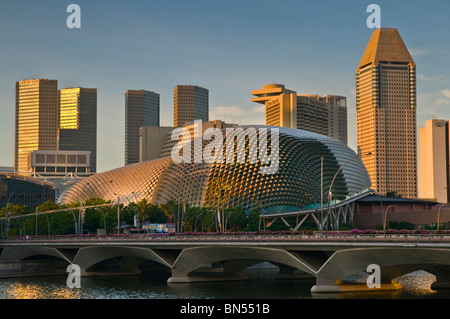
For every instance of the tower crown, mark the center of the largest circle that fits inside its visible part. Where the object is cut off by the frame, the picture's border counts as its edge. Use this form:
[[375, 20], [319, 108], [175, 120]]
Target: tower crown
[[386, 44]]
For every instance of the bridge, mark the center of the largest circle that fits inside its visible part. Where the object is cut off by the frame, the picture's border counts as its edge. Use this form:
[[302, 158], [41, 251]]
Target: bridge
[[329, 258]]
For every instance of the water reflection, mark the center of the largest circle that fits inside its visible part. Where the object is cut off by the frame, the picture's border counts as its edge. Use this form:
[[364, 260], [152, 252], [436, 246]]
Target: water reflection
[[261, 285], [36, 290]]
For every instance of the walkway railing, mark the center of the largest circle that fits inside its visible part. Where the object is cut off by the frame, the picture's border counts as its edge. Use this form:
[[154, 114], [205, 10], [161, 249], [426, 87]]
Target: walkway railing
[[409, 239]]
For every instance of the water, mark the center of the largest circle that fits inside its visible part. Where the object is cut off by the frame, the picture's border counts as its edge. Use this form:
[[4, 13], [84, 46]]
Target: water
[[261, 284]]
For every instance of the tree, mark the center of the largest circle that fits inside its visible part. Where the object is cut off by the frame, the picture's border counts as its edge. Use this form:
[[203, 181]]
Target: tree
[[219, 193], [47, 206], [236, 219], [393, 194], [155, 214], [170, 209], [253, 220], [210, 220]]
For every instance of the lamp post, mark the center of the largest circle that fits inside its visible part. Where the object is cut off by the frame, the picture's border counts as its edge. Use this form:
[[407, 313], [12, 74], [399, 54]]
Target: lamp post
[[331, 185], [321, 193], [384, 218], [118, 212], [118, 208], [438, 216]]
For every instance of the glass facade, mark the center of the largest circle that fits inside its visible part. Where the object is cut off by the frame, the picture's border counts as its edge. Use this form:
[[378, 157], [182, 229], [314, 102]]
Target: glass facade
[[78, 122], [141, 109], [15, 189], [36, 120]]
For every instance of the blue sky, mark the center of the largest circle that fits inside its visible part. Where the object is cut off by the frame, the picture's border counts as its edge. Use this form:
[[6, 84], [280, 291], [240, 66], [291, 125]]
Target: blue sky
[[230, 47]]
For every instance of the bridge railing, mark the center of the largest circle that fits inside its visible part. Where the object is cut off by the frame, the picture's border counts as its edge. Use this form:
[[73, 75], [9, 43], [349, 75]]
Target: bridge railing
[[408, 239]]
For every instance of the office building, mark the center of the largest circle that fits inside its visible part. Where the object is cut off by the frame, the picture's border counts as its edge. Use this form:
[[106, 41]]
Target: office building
[[386, 114], [78, 122], [157, 142], [190, 103], [36, 119], [326, 115], [434, 160], [141, 109], [59, 163]]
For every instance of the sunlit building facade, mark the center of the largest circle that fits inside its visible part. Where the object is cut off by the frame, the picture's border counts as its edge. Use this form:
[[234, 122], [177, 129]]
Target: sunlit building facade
[[295, 184], [190, 103], [434, 160], [326, 115], [386, 114], [36, 119], [78, 122]]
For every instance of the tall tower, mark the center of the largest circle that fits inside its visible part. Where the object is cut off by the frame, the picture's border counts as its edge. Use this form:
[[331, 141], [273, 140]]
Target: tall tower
[[386, 114], [190, 103], [36, 119], [141, 109], [78, 122]]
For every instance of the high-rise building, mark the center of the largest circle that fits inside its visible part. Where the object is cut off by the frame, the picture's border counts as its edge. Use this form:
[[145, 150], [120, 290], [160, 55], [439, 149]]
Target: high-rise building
[[78, 122], [36, 119], [157, 142], [386, 114], [434, 160], [190, 103], [141, 109], [326, 115]]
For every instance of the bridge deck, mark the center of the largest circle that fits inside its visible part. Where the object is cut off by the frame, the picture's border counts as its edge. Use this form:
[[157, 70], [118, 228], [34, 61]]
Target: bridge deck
[[409, 240]]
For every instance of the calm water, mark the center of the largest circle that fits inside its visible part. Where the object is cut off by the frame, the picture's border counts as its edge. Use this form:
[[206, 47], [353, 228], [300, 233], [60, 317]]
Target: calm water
[[261, 285]]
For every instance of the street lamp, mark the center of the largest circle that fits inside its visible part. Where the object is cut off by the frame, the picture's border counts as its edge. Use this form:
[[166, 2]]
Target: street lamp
[[118, 209], [331, 185], [194, 180], [384, 218], [438, 215]]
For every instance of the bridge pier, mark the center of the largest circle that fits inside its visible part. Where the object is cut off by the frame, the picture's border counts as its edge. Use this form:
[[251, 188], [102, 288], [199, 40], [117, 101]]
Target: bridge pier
[[205, 275], [290, 273], [442, 274]]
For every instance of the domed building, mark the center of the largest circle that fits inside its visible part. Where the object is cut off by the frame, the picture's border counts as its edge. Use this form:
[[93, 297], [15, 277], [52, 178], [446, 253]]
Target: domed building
[[273, 169]]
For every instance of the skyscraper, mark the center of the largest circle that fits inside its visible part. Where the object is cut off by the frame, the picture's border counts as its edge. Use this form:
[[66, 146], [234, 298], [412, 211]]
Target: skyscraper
[[386, 114], [78, 122], [36, 119], [141, 109], [434, 160], [190, 103], [326, 115]]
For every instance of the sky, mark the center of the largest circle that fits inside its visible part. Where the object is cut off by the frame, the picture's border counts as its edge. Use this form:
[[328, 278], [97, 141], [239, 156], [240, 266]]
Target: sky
[[230, 47]]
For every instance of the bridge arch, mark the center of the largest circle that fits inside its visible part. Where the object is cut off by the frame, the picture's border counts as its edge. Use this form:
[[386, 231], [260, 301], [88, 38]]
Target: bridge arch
[[130, 257], [234, 259], [25, 252], [393, 262]]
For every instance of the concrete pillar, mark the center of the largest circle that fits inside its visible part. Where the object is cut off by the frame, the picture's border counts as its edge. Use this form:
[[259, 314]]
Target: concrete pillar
[[442, 278], [205, 275]]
